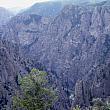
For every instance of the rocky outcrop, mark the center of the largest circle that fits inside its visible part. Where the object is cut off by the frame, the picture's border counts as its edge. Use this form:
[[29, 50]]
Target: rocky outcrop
[[94, 85], [11, 67], [25, 29]]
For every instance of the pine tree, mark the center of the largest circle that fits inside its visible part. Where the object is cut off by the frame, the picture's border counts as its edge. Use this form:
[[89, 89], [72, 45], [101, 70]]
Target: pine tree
[[34, 95]]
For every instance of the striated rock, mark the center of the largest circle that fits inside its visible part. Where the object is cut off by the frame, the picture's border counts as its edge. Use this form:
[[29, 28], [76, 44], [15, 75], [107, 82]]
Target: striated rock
[[25, 29], [94, 85]]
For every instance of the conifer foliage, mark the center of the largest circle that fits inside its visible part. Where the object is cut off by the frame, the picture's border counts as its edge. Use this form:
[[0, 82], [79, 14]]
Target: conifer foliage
[[34, 95]]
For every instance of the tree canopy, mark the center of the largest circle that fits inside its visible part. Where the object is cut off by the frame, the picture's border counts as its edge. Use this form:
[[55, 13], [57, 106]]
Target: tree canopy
[[34, 93]]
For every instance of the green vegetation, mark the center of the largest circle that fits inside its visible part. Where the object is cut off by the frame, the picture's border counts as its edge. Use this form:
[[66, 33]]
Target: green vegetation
[[76, 108], [34, 95], [98, 104]]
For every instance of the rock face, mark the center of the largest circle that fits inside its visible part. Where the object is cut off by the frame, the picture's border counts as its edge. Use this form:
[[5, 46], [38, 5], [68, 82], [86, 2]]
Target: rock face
[[5, 15], [74, 48], [12, 65], [24, 29], [9, 68], [94, 85]]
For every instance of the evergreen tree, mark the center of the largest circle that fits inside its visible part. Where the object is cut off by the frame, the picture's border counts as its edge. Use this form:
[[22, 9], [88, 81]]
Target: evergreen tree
[[34, 95]]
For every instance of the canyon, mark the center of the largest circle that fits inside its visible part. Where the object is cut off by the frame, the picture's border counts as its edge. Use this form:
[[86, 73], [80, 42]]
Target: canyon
[[73, 48]]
